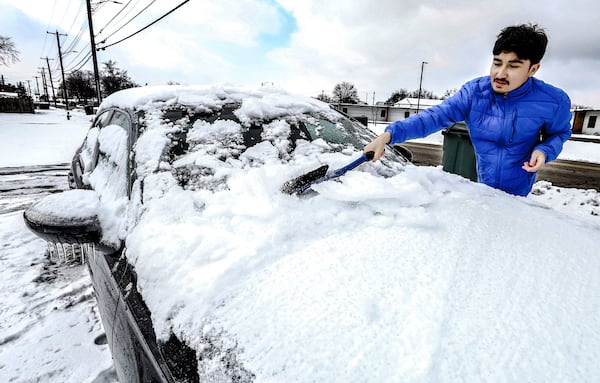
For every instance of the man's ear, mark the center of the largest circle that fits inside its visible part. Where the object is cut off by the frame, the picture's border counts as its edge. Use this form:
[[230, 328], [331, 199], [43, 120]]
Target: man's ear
[[534, 68]]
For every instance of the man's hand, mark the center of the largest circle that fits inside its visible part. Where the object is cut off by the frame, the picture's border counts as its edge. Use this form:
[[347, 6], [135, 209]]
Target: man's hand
[[378, 145], [538, 159]]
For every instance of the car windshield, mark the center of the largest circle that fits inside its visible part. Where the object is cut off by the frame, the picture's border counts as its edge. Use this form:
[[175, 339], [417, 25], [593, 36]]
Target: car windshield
[[205, 143]]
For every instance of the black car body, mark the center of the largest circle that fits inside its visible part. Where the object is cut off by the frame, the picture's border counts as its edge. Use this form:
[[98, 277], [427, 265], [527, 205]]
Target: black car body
[[119, 185]]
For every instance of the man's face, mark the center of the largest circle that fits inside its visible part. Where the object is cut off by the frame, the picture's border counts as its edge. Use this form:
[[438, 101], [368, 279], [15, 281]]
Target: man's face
[[508, 72]]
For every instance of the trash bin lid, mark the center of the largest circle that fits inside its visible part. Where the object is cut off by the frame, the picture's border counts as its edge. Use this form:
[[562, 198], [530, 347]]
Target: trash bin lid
[[459, 128]]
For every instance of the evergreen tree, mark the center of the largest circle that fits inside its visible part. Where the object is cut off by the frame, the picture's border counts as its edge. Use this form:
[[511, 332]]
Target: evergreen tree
[[80, 84], [323, 97], [396, 96], [114, 79]]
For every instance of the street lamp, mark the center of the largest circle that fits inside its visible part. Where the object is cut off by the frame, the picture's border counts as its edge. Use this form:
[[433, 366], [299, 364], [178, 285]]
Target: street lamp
[[420, 84]]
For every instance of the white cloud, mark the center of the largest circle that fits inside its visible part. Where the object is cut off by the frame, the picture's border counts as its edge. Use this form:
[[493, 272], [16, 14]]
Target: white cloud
[[378, 46]]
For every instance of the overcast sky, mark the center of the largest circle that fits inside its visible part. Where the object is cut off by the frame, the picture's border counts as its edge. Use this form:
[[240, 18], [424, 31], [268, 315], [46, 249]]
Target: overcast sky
[[308, 46]]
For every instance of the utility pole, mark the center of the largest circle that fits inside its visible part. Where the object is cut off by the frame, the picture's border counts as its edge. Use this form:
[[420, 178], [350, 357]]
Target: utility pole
[[50, 75], [420, 84], [93, 44], [62, 70], [44, 84], [37, 84], [373, 110]]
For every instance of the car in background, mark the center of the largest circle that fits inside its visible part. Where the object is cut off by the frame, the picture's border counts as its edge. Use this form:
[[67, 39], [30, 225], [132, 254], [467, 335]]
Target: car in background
[[177, 148]]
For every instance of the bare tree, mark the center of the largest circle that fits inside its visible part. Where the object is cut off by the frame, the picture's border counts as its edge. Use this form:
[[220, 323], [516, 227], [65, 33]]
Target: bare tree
[[8, 52], [345, 92], [449, 93]]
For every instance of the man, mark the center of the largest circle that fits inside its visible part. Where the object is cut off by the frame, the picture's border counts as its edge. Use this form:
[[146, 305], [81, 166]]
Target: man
[[517, 123]]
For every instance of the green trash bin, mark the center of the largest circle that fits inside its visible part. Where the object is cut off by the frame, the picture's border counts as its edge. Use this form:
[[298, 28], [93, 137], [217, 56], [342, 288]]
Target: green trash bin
[[459, 156]]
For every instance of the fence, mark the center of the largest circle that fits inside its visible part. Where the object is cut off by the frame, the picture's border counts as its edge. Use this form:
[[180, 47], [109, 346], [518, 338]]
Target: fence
[[16, 105]]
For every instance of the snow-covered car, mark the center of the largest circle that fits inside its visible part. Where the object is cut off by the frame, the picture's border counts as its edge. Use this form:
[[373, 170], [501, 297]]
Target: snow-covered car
[[184, 145], [205, 270]]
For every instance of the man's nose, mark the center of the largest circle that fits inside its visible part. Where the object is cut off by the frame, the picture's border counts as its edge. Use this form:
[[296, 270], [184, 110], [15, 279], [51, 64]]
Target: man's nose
[[502, 72]]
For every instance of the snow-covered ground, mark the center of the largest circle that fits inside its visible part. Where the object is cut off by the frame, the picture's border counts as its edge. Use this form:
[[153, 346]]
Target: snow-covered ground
[[48, 321], [48, 317]]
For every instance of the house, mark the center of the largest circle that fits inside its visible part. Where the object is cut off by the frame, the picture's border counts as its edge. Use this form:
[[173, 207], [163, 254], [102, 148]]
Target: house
[[585, 121], [386, 113]]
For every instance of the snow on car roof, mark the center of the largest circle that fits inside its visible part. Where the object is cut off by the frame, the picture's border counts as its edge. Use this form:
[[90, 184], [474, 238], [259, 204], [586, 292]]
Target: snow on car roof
[[258, 103]]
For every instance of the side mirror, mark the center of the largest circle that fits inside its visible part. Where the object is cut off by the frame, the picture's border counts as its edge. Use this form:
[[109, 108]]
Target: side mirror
[[403, 151], [67, 217]]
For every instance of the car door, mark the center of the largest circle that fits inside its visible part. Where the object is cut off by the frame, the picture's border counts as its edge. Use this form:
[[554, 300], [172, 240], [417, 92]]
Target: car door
[[106, 159]]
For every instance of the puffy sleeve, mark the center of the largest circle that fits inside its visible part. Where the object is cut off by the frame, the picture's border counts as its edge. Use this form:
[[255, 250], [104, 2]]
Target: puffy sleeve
[[557, 130], [452, 110]]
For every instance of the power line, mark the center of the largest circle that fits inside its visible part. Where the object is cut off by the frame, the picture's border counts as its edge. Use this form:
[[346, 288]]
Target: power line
[[81, 63], [76, 16], [129, 21], [115, 16], [48, 27], [147, 26], [77, 38], [65, 14]]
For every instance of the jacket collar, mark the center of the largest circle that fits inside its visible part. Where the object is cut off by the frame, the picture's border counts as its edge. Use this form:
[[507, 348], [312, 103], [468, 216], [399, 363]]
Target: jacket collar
[[523, 89]]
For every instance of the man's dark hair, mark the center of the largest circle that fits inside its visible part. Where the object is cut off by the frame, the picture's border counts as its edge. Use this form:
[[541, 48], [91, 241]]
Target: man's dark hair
[[527, 41]]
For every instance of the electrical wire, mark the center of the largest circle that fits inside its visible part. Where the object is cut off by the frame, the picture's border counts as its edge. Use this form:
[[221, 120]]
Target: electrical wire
[[47, 27], [78, 13], [147, 26], [115, 16], [65, 14], [81, 63], [77, 39], [86, 51], [129, 21]]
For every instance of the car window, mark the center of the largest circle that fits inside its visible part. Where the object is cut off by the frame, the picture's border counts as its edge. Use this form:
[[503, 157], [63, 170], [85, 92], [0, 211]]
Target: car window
[[103, 118], [108, 149], [109, 177], [335, 133], [122, 119], [88, 154]]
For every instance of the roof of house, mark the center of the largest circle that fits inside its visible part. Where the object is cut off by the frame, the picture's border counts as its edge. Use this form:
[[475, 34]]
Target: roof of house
[[9, 94], [411, 102]]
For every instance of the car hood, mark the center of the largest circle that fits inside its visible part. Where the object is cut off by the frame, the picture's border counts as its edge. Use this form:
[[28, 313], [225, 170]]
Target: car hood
[[420, 276]]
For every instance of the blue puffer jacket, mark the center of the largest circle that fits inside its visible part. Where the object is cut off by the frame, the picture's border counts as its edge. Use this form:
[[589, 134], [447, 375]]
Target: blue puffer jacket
[[504, 129]]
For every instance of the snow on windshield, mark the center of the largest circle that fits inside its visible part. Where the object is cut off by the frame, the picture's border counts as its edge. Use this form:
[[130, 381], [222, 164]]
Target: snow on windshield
[[422, 276]]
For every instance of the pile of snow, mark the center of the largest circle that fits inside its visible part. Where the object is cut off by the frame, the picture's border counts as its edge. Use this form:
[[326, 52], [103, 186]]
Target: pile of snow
[[422, 276]]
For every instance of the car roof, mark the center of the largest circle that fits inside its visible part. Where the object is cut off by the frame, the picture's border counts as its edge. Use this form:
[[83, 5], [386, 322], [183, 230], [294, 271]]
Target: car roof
[[256, 103]]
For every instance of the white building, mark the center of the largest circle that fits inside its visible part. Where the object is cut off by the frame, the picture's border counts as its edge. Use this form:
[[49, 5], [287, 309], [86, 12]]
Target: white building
[[586, 121], [386, 113]]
